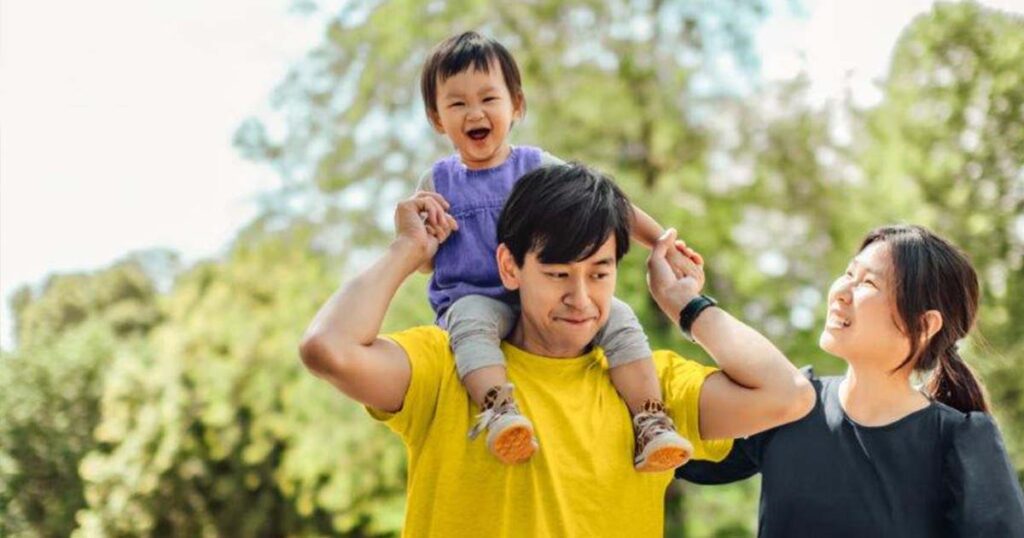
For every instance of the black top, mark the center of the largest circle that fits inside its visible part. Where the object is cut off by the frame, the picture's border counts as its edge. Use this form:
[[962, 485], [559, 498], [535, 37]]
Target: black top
[[935, 472]]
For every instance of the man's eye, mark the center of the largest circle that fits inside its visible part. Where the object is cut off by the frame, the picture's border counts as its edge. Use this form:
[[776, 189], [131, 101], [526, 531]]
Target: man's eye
[[600, 276]]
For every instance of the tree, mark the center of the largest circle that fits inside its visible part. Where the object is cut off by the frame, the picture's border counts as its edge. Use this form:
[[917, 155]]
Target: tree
[[68, 335], [950, 131], [215, 429], [608, 83]]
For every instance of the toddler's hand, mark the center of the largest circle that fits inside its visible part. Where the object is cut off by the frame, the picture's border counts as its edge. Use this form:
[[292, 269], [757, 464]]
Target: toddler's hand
[[670, 290], [683, 259], [438, 222]]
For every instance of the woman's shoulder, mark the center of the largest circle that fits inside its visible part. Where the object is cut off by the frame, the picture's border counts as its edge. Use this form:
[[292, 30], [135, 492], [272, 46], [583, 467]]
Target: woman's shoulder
[[824, 386], [961, 427]]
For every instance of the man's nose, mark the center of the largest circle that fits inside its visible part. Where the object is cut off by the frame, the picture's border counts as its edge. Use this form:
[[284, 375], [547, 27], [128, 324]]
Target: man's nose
[[576, 296]]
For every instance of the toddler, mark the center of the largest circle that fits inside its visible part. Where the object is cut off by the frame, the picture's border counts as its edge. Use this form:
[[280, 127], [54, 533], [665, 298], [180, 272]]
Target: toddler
[[473, 95]]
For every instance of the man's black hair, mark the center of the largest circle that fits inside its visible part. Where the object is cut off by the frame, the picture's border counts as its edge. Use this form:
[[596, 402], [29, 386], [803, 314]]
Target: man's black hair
[[565, 213]]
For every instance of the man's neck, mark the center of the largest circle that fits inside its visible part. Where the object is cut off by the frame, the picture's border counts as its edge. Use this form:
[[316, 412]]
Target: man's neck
[[529, 339]]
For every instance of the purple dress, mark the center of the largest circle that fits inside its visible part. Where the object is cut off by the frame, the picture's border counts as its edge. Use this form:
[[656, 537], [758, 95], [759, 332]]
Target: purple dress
[[465, 264]]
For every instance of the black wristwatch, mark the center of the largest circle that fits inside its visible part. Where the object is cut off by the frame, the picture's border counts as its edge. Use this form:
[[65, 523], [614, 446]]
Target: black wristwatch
[[690, 312]]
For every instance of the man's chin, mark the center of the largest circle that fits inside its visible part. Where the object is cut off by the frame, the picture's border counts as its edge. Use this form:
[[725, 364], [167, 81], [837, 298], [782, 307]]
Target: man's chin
[[576, 335]]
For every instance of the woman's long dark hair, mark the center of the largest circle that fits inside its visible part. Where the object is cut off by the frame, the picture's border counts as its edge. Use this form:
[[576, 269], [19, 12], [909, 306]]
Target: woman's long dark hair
[[931, 273]]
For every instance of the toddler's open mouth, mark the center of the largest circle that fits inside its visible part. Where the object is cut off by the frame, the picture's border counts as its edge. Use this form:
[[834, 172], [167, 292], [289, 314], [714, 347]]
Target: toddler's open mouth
[[478, 134]]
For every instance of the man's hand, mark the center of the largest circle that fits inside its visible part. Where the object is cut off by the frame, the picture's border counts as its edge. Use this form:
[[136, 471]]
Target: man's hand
[[423, 221], [674, 286]]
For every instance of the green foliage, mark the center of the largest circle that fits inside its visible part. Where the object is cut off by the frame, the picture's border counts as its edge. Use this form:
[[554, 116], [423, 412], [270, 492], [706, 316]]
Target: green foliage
[[122, 297], [951, 131], [138, 406], [606, 82], [69, 335], [217, 430]]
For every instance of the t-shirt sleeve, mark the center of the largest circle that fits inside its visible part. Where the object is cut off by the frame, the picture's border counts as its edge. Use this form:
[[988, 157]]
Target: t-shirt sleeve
[[428, 353], [681, 383], [984, 497], [426, 181], [743, 461]]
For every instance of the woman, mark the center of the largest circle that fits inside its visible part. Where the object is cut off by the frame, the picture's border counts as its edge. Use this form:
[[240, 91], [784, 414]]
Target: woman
[[878, 456]]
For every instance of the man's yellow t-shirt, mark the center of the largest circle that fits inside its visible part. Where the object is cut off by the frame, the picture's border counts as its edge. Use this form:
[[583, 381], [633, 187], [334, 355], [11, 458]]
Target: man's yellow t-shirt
[[580, 483]]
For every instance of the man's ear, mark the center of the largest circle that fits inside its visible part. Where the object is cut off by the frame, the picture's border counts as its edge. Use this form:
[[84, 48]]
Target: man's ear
[[507, 268], [932, 324]]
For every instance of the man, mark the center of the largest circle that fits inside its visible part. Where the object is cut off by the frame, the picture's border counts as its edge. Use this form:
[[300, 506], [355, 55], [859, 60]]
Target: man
[[561, 235]]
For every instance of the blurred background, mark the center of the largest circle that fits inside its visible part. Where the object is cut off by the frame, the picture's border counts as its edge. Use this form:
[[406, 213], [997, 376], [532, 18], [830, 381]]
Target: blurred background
[[183, 183]]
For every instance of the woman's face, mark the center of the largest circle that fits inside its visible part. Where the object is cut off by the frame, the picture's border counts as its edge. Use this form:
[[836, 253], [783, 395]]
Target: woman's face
[[862, 324]]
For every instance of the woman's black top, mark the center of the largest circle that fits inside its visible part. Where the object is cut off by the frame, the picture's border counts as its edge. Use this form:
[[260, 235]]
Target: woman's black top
[[936, 472]]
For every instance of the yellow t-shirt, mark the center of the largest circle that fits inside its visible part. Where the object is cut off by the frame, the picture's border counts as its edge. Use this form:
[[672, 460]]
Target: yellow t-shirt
[[580, 483]]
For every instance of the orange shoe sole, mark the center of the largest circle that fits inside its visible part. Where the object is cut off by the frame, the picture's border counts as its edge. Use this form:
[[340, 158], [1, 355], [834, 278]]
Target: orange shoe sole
[[664, 459], [514, 445]]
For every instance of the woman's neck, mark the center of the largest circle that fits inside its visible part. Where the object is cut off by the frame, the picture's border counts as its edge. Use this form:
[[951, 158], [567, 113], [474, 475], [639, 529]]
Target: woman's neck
[[876, 397]]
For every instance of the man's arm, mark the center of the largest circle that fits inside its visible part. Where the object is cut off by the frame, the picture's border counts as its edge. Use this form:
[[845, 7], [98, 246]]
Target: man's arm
[[758, 387], [426, 267], [341, 343]]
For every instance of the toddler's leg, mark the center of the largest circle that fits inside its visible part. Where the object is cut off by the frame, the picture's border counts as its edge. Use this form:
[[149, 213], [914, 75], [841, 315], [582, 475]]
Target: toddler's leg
[[476, 326], [658, 446], [629, 357]]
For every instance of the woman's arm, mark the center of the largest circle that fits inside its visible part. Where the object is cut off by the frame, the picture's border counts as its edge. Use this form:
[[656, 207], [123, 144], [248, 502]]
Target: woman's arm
[[742, 462], [984, 497]]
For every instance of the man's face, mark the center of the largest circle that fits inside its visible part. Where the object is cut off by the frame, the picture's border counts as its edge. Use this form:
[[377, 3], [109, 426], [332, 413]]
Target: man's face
[[563, 304]]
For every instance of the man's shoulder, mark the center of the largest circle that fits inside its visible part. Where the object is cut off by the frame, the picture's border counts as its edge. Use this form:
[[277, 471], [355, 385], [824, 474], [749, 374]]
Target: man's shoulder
[[422, 341], [664, 358], [679, 373]]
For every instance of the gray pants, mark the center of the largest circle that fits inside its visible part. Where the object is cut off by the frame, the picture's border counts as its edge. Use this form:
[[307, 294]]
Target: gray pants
[[477, 325]]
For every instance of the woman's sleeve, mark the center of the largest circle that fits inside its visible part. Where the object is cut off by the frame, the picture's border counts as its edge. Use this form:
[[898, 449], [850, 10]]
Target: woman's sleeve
[[984, 497], [743, 461]]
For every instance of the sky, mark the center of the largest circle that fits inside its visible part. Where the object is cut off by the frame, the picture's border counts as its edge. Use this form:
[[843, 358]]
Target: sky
[[116, 116]]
